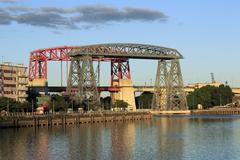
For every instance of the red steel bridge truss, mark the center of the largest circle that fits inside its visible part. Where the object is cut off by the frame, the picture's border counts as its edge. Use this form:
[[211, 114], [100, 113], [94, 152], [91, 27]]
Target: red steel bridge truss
[[168, 89], [38, 68]]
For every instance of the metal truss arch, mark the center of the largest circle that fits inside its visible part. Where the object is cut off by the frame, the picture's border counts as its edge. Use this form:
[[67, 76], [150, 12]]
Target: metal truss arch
[[126, 50]]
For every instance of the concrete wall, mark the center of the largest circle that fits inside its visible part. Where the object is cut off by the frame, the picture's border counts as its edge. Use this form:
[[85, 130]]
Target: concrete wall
[[76, 119], [126, 93]]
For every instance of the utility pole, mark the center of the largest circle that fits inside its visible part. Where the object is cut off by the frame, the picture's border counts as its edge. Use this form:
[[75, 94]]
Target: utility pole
[[220, 100], [193, 102], [8, 107], [88, 104], [53, 107], [98, 67], [72, 105], [32, 106]]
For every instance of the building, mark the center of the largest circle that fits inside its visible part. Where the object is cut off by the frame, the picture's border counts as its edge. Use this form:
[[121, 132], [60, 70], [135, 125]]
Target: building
[[13, 81]]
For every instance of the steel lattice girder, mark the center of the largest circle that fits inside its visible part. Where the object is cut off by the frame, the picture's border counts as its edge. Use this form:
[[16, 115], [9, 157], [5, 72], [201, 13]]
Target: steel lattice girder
[[159, 100], [38, 60], [120, 69], [41, 56], [99, 52], [126, 50], [176, 94], [169, 89], [83, 80]]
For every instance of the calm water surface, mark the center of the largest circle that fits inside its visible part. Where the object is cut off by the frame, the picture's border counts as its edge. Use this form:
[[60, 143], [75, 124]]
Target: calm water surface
[[197, 138]]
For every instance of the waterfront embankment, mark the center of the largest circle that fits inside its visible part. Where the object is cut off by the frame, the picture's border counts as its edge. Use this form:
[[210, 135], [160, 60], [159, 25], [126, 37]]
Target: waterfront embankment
[[219, 111], [71, 119]]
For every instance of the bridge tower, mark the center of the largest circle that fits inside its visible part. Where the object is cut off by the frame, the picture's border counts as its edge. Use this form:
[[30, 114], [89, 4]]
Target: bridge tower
[[160, 90], [169, 91], [121, 77], [82, 80], [168, 94]]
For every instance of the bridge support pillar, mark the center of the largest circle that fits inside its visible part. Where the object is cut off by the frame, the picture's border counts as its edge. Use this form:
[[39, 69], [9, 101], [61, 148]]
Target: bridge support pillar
[[126, 93], [121, 77], [82, 81], [169, 91], [176, 95], [160, 89]]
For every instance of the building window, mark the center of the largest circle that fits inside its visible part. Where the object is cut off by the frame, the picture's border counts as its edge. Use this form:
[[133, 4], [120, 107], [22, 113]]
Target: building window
[[9, 85], [9, 71], [8, 92], [9, 78]]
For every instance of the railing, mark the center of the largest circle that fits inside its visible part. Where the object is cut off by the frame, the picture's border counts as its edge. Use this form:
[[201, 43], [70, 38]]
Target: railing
[[23, 81], [9, 81], [24, 75], [22, 95], [22, 88]]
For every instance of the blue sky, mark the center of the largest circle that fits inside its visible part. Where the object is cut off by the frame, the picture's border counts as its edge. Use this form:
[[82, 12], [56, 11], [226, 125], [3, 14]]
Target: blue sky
[[206, 32]]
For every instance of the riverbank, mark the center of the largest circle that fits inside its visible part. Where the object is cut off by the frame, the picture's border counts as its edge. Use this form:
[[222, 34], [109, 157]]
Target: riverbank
[[70, 119], [219, 111], [184, 112]]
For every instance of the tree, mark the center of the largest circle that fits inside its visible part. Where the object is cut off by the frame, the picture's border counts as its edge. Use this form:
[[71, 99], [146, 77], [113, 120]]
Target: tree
[[144, 101], [120, 104], [6, 102], [12, 105], [32, 97], [210, 96], [58, 102], [67, 101], [106, 102]]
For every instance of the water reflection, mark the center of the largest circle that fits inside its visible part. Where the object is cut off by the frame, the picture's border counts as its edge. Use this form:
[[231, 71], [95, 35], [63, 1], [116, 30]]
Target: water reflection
[[123, 140], [171, 137], [161, 138]]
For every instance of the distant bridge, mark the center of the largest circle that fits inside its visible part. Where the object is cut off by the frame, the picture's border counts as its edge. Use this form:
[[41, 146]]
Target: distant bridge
[[235, 90]]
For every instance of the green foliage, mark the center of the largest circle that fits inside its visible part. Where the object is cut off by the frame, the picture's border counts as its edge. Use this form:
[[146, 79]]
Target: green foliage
[[13, 105], [210, 96], [60, 102], [106, 102], [144, 101], [120, 104], [4, 102], [32, 97]]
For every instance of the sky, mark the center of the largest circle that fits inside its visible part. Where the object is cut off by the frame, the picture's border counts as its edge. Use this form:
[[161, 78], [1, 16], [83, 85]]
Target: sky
[[206, 33]]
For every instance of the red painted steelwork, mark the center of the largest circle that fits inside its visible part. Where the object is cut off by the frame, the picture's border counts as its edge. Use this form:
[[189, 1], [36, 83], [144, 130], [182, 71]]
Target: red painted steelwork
[[38, 65], [38, 60], [119, 70]]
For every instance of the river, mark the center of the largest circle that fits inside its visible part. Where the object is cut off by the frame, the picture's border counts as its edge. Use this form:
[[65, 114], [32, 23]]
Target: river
[[167, 138]]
